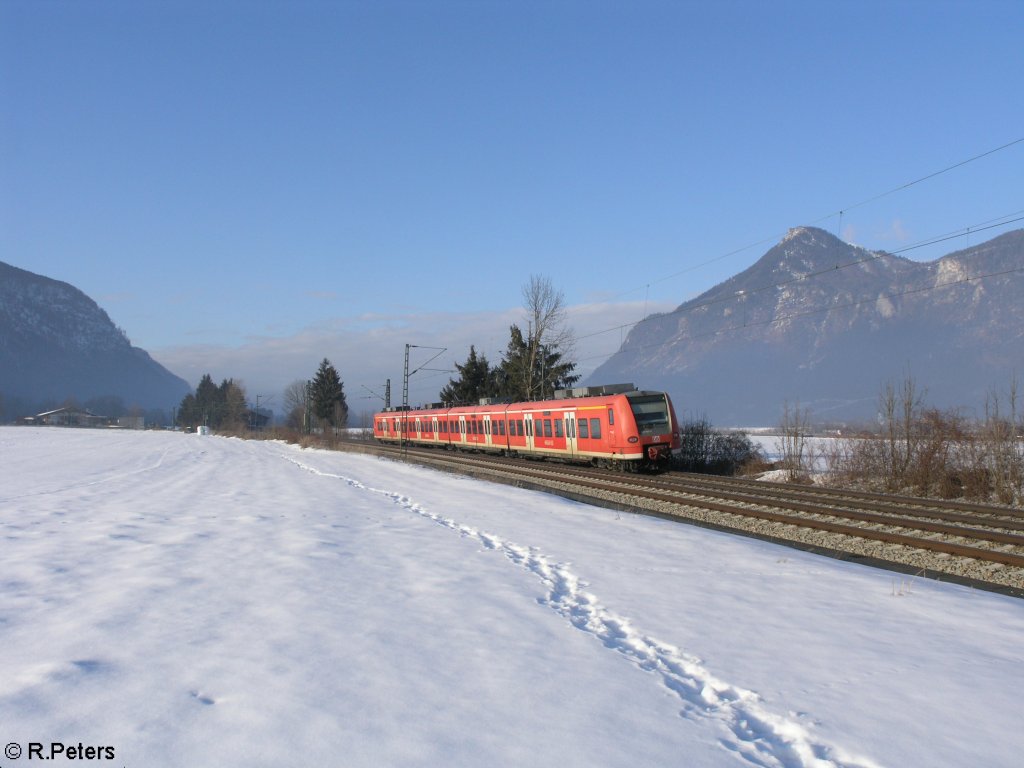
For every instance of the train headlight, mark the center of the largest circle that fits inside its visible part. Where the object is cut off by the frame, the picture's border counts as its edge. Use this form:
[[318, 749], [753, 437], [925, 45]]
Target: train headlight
[[634, 439]]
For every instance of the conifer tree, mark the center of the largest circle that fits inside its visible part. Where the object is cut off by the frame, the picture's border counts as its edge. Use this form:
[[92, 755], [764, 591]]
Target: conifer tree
[[476, 381], [532, 370], [328, 396], [209, 402], [234, 410]]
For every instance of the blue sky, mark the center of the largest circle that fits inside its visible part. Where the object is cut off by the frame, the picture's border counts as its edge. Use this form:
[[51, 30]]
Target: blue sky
[[248, 187]]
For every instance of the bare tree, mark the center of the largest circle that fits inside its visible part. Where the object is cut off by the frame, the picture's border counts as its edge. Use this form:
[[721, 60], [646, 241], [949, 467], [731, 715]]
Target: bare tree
[[1001, 438], [296, 403], [547, 329], [899, 412], [793, 433]]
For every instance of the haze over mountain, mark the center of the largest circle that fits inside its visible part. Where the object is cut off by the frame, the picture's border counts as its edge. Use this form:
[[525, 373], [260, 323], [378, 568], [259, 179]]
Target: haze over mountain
[[826, 324], [57, 343]]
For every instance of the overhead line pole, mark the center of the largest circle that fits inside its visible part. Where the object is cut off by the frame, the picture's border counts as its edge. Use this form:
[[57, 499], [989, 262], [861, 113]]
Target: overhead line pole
[[405, 384]]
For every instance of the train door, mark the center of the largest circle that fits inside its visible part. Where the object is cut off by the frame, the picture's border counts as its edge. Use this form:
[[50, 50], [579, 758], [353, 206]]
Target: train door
[[475, 430], [570, 432], [555, 437], [485, 428], [499, 430], [515, 428], [528, 423]]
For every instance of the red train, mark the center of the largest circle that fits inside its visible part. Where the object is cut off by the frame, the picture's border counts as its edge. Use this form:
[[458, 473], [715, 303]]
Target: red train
[[611, 426]]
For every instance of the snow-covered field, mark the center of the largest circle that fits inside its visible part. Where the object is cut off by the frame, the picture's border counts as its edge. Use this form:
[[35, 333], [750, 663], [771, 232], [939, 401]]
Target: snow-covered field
[[201, 601]]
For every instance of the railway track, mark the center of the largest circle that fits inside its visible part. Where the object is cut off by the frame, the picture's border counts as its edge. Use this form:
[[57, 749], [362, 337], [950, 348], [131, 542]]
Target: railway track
[[974, 543]]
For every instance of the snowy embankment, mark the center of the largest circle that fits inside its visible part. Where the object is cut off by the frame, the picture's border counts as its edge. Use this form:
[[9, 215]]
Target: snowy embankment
[[203, 601]]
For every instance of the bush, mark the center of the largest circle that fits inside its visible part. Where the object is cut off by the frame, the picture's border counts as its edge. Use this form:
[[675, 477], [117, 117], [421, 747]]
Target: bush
[[940, 453], [711, 452]]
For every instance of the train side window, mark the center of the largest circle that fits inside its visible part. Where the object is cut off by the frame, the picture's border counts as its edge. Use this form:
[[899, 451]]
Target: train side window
[[547, 427], [501, 428], [595, 428], [558, 427], [529, 429], [611, 417], [584, 432], [570, 428]]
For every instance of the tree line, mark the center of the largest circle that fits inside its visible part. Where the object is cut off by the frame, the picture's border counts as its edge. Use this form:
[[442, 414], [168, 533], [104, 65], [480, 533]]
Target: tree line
[[316, 404]]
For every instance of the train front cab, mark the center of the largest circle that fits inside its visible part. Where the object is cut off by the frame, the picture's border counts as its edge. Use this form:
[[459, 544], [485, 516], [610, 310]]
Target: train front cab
[[629, 429], [657, 431]]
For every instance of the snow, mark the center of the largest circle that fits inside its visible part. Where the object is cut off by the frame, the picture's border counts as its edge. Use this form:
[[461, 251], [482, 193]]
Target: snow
[[816, 450], [207, 601]]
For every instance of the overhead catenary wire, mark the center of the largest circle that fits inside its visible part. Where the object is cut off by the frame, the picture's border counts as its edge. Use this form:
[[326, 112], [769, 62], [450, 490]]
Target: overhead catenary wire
[[840, 212], [873, 256], [999, 222], [821, 310], [918, 181]]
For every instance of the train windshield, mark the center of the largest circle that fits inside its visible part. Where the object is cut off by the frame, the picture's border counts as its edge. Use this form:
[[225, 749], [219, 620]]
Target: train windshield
[[651, 413]]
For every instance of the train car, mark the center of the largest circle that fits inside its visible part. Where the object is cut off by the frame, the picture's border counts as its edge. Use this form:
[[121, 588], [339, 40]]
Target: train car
[[611, 426], [422, 426]]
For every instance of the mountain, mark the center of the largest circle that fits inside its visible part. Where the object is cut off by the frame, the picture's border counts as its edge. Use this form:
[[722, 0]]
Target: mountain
[[56, 343], [826, 324]]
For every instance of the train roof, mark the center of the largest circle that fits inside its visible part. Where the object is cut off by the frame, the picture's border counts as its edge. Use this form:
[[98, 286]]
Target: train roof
[[563, 397]]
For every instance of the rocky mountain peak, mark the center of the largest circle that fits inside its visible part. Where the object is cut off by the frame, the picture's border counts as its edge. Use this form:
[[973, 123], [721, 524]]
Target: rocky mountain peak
[[826, 323], [806, 250]]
